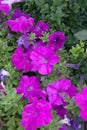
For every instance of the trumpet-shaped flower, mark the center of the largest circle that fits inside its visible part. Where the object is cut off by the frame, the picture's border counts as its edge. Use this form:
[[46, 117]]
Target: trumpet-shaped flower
[[21, 60], [29, 87], [58, 90], [81, 101], [57, 40], [40, 28], [4, 8], [18, 13], [43, 60], [21, 24], [36, 115]]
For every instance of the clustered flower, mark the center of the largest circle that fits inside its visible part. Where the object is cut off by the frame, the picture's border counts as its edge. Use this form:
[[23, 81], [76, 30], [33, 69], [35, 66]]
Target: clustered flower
[[37, 56]]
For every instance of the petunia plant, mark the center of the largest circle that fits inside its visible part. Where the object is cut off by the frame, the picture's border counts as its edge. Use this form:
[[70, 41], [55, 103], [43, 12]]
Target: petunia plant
[[38, 89]]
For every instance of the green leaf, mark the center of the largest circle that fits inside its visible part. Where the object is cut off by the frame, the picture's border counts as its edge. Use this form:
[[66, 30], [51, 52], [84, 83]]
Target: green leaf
[[81, 35]]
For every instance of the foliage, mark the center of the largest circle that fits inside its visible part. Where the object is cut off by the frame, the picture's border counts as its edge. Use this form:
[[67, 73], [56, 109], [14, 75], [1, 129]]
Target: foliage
[[63, 15]]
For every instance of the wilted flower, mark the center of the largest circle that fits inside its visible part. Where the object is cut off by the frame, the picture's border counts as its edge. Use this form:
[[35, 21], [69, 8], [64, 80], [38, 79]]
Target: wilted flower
[[74, 66], [82, 79], [2, 89]]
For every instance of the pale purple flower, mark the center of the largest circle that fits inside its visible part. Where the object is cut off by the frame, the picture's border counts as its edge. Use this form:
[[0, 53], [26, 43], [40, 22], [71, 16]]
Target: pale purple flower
[[43, 60], [57, 40], [23, 41], [18, 13], [10, 2], [74, 66], [29, 87], [58, 90], [21, 60], [40, 28], [4, 74], [81, 101], [36, 115]]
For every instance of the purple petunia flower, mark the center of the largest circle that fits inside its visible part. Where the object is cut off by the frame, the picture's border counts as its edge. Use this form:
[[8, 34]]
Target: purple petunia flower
[[81, 101], [29, 87], [21, 60], [43, 60], [36, 115], [57, 40], [40, 28], [58, 90], [21, 24], [4, 8], [18, 13]]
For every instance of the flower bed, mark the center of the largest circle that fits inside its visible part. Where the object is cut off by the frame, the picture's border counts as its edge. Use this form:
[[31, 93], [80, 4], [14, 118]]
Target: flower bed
[[43, 86]]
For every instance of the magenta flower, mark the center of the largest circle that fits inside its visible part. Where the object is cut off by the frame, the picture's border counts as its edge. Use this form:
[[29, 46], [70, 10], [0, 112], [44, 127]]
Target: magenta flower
[[81, 101], [40, 28], [29, 87], [43, 60], [58, 90], [21, 60], [21, 24], [4, 8], [57, 40], [36, 115], [18, 13]]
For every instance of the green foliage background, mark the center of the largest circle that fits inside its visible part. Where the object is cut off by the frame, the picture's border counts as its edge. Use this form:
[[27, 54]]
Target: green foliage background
[[69, 16]]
